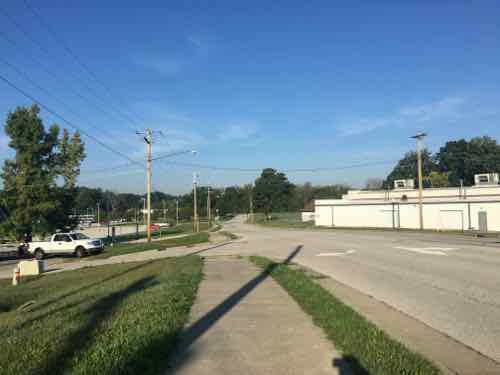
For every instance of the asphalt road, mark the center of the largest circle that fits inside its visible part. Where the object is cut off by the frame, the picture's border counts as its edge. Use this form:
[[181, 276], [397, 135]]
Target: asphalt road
[[451, 283]]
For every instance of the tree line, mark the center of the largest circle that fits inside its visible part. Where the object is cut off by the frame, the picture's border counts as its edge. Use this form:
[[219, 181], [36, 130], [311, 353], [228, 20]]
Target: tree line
[[271, 192], [455, 163]]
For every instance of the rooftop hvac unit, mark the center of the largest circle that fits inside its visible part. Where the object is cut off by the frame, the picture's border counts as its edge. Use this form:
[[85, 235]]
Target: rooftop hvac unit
[[486, 179], [404, 184]]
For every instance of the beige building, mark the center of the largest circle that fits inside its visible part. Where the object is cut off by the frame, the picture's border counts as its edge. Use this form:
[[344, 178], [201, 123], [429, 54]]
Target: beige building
[[456, 208]]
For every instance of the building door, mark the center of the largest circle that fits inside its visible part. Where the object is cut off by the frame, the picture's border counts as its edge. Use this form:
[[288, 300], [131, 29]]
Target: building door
[[483, 221]]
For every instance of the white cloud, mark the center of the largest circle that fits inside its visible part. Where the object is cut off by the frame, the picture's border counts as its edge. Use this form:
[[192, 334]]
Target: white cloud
[[361, 126], [446, 109], [238, 132], [162, 113]]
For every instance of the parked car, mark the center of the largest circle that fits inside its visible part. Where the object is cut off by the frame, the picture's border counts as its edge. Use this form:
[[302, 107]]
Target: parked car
[[66, 243], [12, 250], [154, 227]]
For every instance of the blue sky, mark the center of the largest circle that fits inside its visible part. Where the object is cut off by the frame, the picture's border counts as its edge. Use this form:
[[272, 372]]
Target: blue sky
[[288, 85]]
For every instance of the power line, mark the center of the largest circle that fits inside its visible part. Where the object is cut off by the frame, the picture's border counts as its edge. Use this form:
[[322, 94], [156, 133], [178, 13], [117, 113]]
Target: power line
[[47, 53], [296, 170], [120, 166], [170, 154], [56, 114], [70, 52], [40, 65], [33, 82]]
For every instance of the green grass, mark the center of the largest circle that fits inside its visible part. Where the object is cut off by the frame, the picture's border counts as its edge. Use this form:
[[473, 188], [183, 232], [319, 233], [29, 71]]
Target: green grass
[[229, 235], [182, 228], [114, 319], [127, 248], [283, 220], [367, 348], [216, 228]]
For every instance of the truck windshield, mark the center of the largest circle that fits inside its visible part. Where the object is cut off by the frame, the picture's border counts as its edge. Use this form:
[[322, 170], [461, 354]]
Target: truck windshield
[[78, 236]]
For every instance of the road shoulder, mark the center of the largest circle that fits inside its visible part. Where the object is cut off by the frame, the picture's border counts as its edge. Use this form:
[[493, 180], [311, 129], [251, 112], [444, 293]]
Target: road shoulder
[[451, 356]]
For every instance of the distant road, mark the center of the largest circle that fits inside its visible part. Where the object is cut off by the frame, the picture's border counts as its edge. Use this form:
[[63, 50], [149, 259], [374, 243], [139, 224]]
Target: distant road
[[451, 283]]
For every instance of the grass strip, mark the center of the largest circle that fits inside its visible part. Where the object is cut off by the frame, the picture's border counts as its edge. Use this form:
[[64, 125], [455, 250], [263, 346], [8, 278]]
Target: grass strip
[[229, 235], [128, 248], [367, 348], [113, 319], [186, 227]]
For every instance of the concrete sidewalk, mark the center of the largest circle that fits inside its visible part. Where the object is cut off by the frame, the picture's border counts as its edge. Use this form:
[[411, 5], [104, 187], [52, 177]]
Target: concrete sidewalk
[[243, 322]]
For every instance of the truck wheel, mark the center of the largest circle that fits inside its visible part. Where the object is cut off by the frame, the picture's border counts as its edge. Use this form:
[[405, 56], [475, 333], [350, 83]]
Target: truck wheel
[[39, 254], [80, 252]]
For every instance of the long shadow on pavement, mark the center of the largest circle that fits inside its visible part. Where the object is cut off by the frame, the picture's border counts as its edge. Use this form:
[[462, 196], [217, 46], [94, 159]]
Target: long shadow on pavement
[[202, 325], [208, 248]]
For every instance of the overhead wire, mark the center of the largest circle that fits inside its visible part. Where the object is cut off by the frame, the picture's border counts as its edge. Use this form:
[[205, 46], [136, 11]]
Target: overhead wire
[[42, 66], [47, 92], [48, 54], [62, 118], [78, 60], [292, 170]]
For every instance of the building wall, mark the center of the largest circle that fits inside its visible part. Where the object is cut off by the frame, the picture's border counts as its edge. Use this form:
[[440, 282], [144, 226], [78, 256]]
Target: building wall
[[412, 194], [437, 215], [307, 216]]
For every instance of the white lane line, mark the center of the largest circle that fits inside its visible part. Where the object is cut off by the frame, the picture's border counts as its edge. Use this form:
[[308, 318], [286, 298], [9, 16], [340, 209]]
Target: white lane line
[[423, 250], [440, 248], [336, 254]]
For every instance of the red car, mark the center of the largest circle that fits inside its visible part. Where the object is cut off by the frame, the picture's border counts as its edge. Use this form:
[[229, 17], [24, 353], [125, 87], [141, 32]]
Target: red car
[[154, 227]]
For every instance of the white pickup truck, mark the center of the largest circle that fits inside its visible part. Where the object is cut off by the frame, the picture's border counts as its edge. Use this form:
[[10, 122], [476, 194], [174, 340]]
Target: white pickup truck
[[65, 243]]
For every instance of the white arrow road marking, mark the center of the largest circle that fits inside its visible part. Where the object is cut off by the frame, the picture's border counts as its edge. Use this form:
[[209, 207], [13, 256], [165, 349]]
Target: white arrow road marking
[[427, 250], [336, 254]]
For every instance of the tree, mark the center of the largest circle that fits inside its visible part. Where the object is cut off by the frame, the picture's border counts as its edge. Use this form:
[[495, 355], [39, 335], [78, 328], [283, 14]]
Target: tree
[[374, 183], [71, 153], [32, 200], [407, 167], [464, 159], [272, 190], [438, 179]]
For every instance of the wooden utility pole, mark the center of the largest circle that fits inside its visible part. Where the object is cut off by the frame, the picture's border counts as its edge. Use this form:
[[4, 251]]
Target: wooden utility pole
[[195, 206], [209, 208], [250, 199], [418, 137], [176, 212], [148, 139]]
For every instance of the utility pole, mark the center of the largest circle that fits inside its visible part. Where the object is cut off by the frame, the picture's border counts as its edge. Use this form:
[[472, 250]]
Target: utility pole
[[418, 137], [209, 208], [250, 198], [144, 211], [176, 212], [164, 211], [196, 222], [148, 139], [98, 212]]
